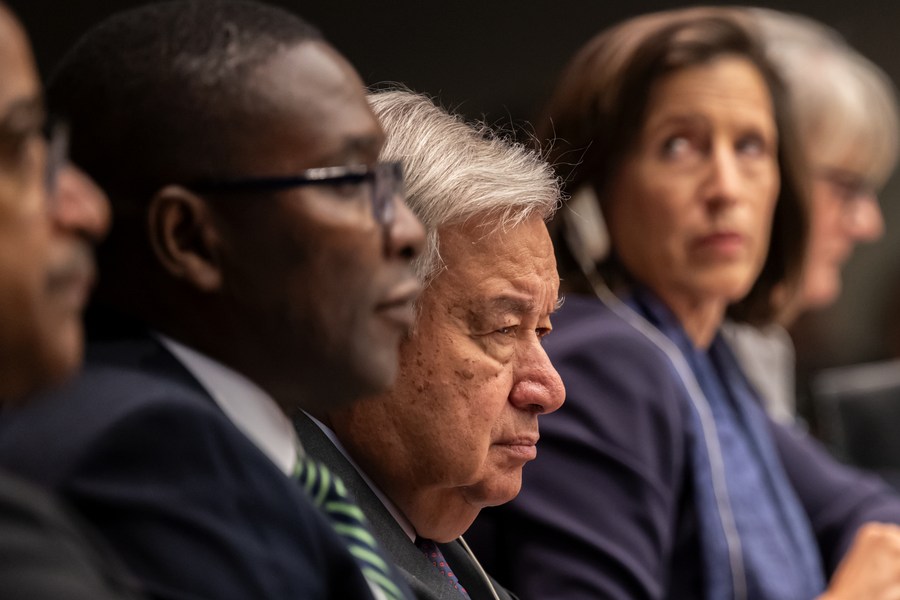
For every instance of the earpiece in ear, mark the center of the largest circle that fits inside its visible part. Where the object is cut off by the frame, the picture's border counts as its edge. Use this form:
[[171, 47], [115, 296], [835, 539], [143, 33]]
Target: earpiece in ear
[[585, 230]]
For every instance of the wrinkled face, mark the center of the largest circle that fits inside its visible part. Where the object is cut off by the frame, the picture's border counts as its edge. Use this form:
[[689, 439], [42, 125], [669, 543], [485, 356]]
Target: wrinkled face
[[845, 211], [46, 267], [463, 416], [691, 210], [325, 292]]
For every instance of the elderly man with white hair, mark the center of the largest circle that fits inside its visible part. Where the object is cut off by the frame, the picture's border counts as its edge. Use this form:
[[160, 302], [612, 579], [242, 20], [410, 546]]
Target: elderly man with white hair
[[454, 433]]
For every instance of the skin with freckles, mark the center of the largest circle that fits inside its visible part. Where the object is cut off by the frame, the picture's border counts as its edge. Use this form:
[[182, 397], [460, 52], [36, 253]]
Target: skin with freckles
[[455, 432], [690, 211]]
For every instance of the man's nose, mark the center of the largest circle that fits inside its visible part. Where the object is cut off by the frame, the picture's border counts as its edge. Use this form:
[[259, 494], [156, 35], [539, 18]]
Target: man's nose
[[78, 205], [537, 388], [405, 236]]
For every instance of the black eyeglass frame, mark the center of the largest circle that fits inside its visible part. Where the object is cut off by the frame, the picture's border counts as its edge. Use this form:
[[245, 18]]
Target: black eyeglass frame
[[386, 177]]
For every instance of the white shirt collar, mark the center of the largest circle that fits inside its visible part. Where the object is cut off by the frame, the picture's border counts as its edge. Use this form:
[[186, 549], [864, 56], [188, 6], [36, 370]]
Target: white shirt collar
[[250, 408], [401, 519]]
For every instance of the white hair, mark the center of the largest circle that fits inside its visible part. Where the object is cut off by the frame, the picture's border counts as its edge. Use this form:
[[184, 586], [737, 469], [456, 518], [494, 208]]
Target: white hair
[[457, 172], [839, 99]]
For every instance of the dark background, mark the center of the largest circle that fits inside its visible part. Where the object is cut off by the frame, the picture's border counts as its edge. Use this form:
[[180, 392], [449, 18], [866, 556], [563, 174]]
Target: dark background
[[498, 60]]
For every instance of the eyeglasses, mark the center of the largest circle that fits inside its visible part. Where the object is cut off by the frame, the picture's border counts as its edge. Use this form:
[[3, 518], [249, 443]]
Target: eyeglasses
[[25, 125], [846, 186], [386, 180], [57, 134]]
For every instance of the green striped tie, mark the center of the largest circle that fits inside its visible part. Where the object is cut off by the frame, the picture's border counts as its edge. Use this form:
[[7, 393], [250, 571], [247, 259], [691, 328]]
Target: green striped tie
[[329, 493]]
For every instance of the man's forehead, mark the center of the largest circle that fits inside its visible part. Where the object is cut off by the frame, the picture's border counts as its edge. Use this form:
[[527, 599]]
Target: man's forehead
[[18, 78], [514, 301], [509, 303], [355, 147], [312, 90]]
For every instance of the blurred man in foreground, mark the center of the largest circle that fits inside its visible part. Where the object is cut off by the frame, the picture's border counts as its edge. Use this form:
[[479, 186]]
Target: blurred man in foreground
[[50, 214]]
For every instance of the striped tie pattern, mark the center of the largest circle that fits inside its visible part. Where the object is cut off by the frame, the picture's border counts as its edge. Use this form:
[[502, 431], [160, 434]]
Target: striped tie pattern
[[329, 493]]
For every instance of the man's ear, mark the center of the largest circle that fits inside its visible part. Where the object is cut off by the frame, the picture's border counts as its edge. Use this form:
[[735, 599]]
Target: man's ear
[[185, 237]]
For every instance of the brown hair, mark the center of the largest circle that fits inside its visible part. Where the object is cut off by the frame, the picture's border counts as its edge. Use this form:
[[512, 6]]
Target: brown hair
[[598, 108]]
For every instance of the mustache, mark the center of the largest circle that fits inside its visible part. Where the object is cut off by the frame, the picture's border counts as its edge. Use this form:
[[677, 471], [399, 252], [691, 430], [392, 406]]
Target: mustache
[[78, 265]]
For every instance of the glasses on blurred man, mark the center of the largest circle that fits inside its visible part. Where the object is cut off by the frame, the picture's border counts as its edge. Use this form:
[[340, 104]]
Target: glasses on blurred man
[[376, 185]]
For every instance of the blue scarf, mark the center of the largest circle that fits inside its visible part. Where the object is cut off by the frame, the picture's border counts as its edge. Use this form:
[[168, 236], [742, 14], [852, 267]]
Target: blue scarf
[[756, 540]]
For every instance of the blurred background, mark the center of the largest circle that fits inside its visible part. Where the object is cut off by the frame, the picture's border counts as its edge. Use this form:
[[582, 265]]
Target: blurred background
[[498, 61]]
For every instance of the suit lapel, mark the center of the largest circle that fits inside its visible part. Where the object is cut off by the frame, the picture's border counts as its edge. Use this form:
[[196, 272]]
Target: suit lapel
[[412, 565], [424, 579]]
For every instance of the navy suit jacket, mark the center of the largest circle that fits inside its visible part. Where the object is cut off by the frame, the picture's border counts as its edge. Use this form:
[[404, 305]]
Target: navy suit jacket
[[46, 554], [426, 581], [607, 509], [188, 502]]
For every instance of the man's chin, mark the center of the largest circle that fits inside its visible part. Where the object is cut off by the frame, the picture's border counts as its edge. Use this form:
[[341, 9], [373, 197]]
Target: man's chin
[[49, 369], [376, 376], [64, 357], [495, 491], [359, 373]]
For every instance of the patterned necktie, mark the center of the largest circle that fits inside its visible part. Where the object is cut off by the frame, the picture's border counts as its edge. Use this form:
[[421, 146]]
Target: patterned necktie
[[434, 554], [329, 493]]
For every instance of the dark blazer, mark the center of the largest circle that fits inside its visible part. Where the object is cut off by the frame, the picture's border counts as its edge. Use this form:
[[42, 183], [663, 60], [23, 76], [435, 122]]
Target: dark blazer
[[187, 501], [46, 554], [425, 580], [607, 509]]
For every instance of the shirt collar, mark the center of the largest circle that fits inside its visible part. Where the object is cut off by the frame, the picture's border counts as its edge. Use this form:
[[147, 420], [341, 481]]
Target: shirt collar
[[401, 519], [250, 408]]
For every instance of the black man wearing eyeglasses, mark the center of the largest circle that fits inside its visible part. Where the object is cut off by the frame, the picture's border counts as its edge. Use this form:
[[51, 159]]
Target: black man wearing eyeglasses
[[260, 263]]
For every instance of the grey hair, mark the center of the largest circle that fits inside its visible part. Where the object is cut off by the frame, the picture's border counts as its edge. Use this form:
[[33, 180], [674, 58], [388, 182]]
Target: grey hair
[[839, 99], [458, 172]]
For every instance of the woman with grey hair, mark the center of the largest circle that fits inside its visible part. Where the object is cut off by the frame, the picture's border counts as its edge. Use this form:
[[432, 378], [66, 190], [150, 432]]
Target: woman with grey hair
[[845, 113]]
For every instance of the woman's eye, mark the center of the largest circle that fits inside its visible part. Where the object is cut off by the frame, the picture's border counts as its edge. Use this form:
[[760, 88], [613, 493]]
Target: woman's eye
[[676, 146], [848, 190], [542, 332], [752, 145]]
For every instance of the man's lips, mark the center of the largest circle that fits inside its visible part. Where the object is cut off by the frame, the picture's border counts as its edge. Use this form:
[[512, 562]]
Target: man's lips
[[524, 447], [400, 306]]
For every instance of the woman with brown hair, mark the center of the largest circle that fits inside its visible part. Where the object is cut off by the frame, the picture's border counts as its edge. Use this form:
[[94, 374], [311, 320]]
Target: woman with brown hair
[[662, 477]]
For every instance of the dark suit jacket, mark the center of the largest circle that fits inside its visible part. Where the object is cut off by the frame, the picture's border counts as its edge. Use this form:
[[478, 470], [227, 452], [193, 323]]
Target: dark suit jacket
[[45, 554], [607, 510], [425, 580], [187, 501]]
